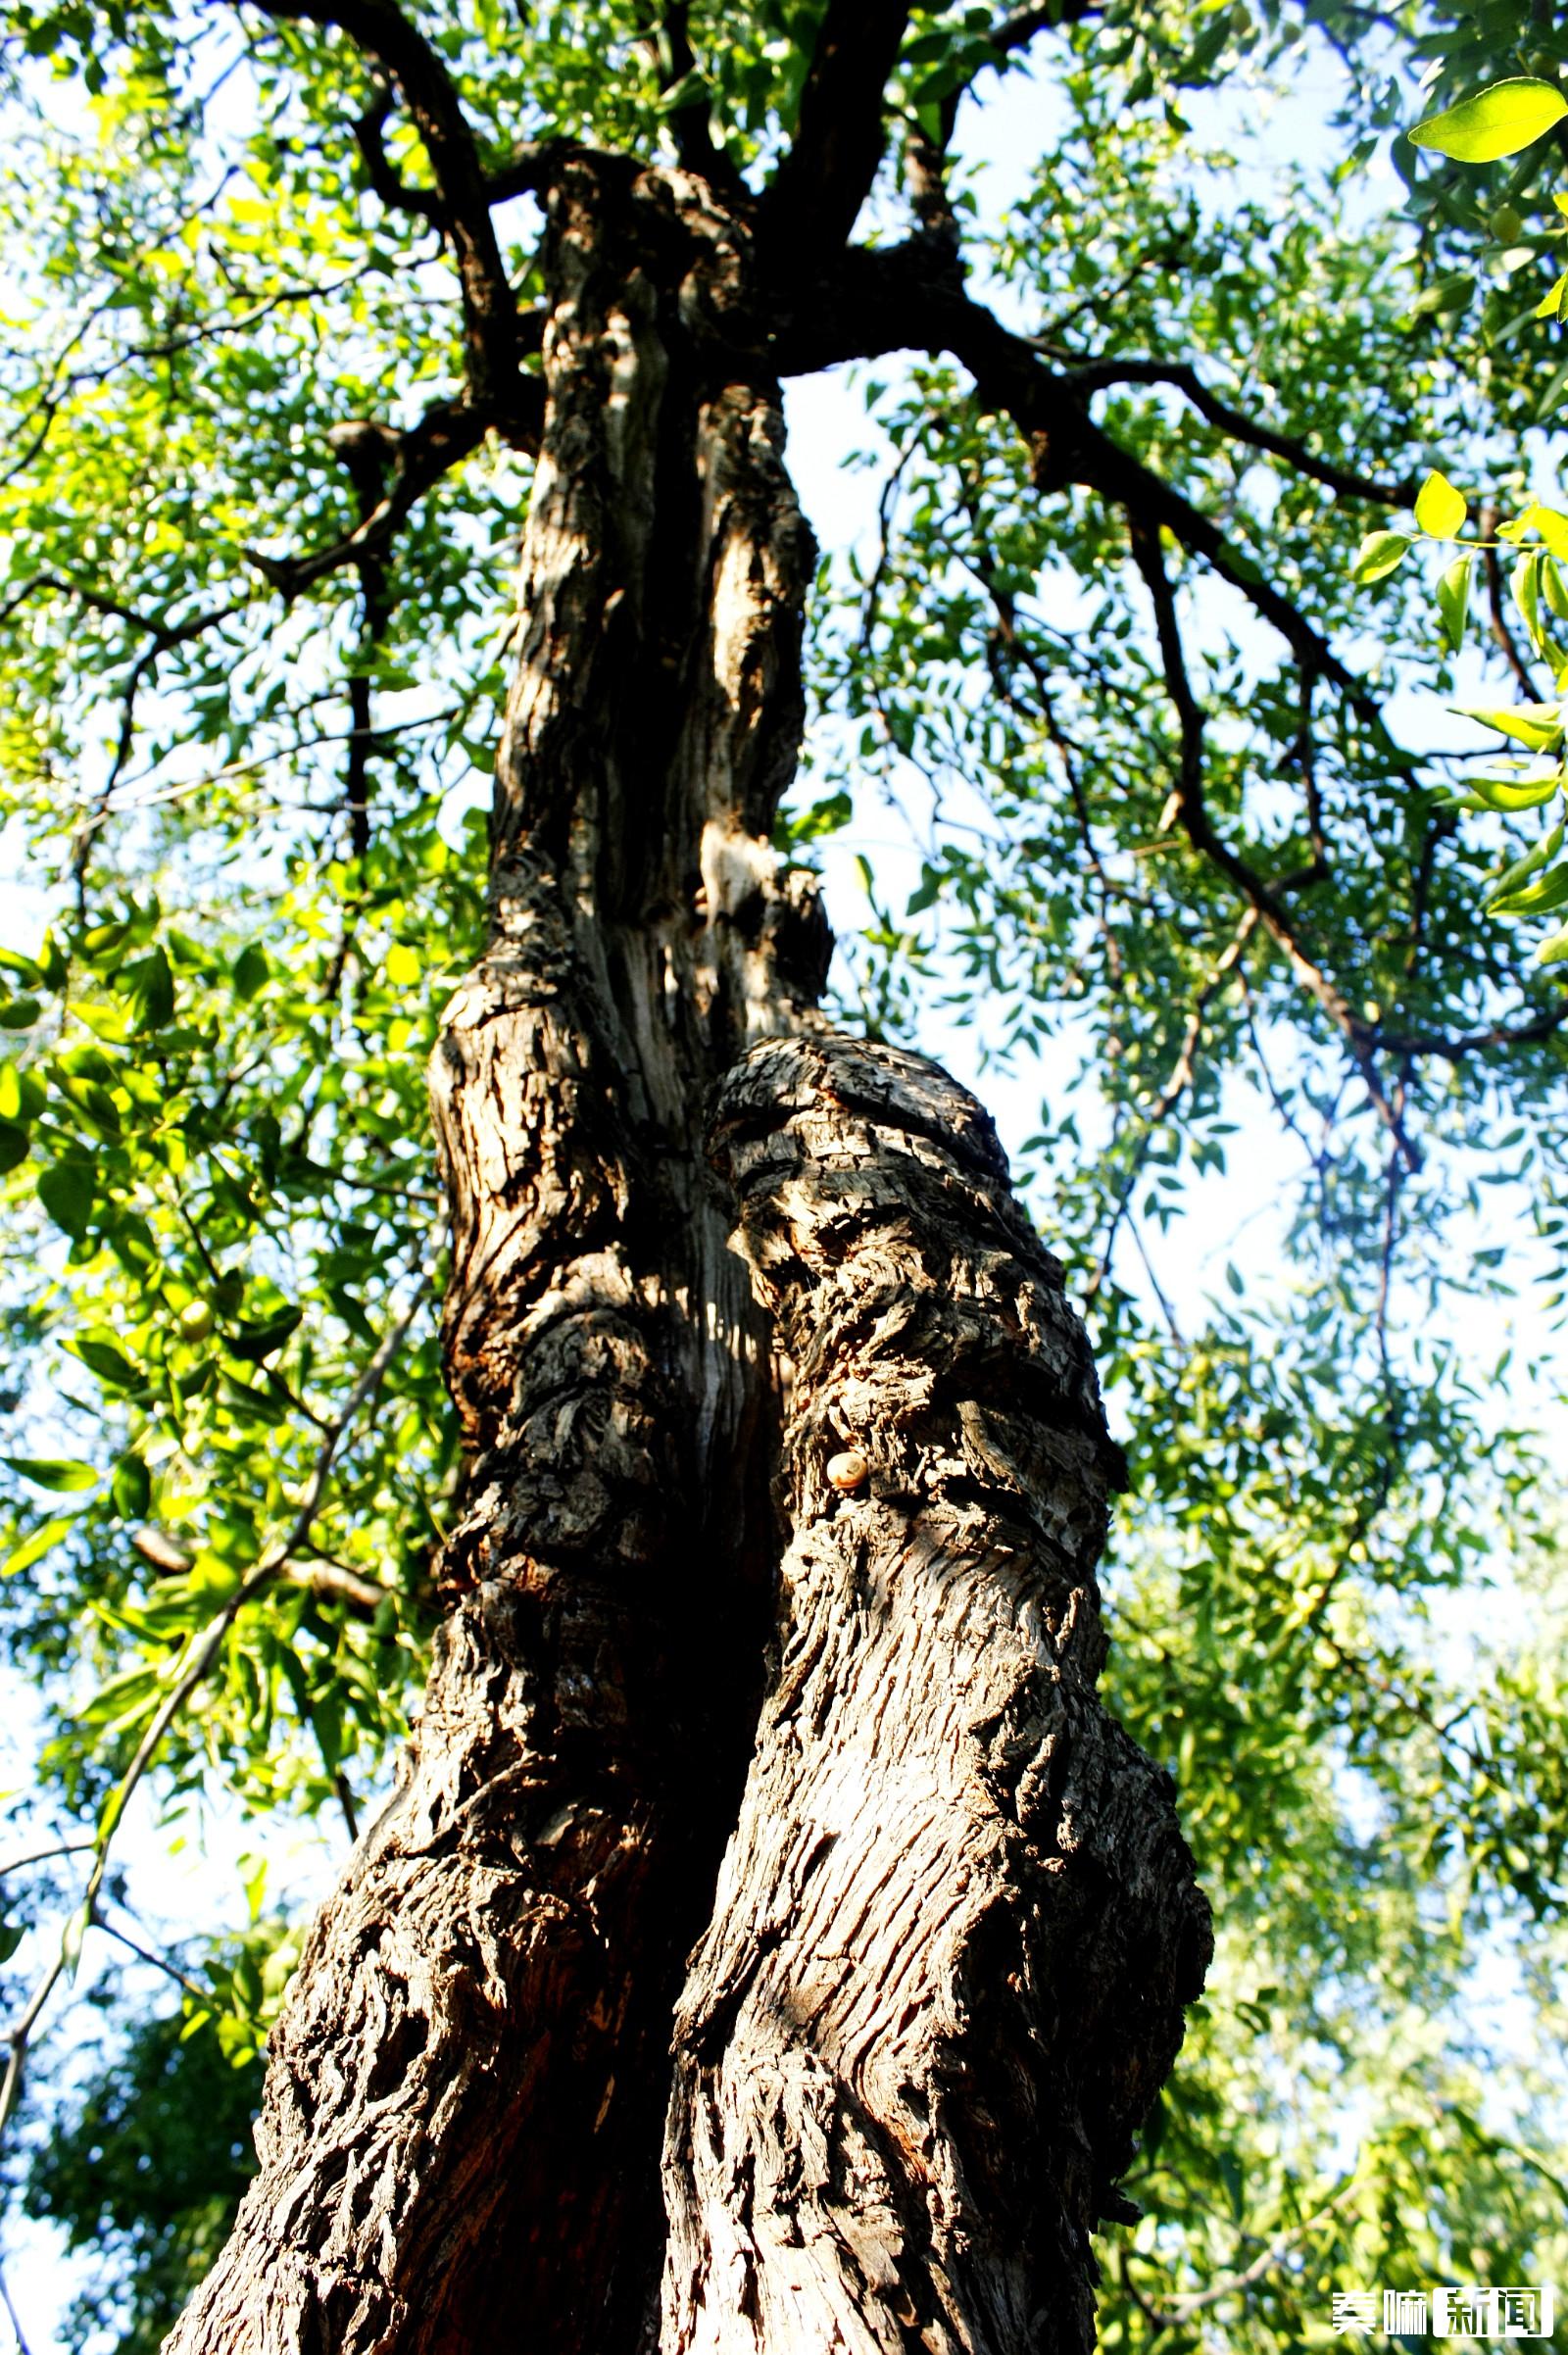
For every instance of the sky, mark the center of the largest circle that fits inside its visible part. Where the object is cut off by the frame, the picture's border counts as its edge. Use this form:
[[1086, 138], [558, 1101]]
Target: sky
[[192, 1877]]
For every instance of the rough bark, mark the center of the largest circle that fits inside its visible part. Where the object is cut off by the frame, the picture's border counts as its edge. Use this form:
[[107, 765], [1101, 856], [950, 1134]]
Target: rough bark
[[458, 2144], [956, 1925]]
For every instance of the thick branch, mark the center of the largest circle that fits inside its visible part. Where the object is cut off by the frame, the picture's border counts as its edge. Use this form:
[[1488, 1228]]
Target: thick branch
[[443, 437], [886, 301], [385, 36], [827, 175]]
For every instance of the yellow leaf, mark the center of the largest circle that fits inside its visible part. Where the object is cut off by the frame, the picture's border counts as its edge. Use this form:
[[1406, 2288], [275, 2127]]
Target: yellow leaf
[[1440, 510]]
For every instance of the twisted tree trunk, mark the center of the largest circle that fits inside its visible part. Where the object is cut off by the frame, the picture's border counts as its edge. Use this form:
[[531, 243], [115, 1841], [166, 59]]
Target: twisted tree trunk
[[955, 1924]]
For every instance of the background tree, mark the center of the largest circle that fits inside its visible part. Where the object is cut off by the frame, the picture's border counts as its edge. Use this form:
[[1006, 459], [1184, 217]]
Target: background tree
[[264, 479]]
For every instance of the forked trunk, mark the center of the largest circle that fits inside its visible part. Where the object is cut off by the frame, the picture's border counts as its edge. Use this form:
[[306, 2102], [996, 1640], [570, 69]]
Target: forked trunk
[[955, 1924]]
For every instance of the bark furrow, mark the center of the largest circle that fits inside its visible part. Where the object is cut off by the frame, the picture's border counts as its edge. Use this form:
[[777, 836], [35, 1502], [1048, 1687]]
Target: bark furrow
[[460, 2138], [956, 1924]]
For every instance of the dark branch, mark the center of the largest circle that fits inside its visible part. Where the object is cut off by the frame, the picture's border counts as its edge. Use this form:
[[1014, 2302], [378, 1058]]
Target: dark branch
[[688, 122], [1496, 608], [827, 175], [888, 300], [444, 435], [394, 193], [1193, 809], [1017, 29], [386, 38], [1343, 482]]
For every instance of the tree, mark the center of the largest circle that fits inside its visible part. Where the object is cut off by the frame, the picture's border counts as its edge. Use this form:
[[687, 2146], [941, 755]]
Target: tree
[[765, 1608]]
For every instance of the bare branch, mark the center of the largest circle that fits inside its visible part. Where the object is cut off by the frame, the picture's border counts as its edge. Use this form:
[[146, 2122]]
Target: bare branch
[[64, 1847]]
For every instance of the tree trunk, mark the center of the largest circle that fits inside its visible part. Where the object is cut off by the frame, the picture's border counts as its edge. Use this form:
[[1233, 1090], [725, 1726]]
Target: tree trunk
[[952, 1941], [955, 1925]]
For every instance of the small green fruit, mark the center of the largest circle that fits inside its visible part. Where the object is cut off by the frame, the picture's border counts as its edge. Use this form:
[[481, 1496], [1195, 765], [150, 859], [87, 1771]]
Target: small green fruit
[[195, 1321]]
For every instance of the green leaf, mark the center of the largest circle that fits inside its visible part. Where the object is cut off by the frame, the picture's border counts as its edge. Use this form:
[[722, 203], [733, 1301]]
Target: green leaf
[[131, 1488], [1509, 794], [1537, 726], [105, 1360], [1526, 592], [14, 1143], [52, 1471], [66, 1190], [75, 1931], [1380, 553], [1514, 893], [32, 1548], [1553, 949], [1547, 522], [1453, 599], [1440, 510], [152, 983], [19, 1013], [1495, 121], [1552, 302], [250, 971], [1514, 877], [254, 1342], [12, 1934]]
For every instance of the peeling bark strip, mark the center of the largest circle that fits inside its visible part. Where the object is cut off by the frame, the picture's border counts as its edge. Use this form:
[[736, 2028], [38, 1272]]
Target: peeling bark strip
[[955, 1925], [460, 2138]]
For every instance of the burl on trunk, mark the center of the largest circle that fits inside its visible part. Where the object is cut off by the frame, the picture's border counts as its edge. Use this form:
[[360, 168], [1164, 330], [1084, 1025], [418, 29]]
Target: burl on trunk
[[859, 1484]]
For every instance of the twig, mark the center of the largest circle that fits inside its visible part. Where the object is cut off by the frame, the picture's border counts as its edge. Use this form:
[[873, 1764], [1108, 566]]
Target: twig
[[1192, 807], [198, 1663], [1173, 2317], [158, 1962], [64, 1847], [1183, 1072], [11, 2317]]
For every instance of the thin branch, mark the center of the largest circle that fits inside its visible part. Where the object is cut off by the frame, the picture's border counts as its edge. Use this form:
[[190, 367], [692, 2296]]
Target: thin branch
[[158, 1962], [1277, 2250], [64, 1847], [1517, 659], [1158, 1289], [1183, 1072], [1235, 425], [1193, 809], [11, 2315], [199, 1662]]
